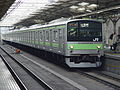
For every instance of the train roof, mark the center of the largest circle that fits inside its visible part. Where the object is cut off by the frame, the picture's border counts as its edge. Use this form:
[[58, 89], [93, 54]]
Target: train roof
[[53, 24], [62, 23]]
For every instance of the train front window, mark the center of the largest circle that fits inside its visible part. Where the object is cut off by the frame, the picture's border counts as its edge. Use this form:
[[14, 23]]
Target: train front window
[[85, 31], [72, 30]]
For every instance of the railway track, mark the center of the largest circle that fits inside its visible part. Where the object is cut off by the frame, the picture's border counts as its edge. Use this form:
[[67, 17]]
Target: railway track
[[17, 79], [102, 78], [65, 79], [97, 76], [107, 76], [34, 77]]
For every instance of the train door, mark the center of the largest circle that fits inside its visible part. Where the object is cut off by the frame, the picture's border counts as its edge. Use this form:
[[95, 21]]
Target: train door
[[55, 41], [36, 38], [25, 38], [20, 37], [61, 40], [43, 39], [17, 37], [29, 38], [60, 31], [50, 39], [40, 39], [32, 38], [47, 39]]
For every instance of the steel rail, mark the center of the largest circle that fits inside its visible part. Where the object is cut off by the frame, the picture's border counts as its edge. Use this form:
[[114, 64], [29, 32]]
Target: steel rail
[[15, 76], [57, 74], [69, 81], [39, 80], [108, 76], [116, 87]]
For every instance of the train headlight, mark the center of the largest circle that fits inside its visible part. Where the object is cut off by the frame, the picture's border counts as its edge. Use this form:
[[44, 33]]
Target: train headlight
[[71, 47], [98, 47]]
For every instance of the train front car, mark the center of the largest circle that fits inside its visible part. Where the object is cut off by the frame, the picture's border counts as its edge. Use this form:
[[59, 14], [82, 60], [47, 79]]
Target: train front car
[[84, 46]]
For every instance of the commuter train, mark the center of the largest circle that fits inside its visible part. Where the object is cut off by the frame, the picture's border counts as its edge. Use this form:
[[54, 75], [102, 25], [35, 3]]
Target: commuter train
[[77, 43]]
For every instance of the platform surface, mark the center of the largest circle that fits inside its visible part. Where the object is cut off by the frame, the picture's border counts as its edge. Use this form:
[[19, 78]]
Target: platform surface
[[113, 55], [7, 82]]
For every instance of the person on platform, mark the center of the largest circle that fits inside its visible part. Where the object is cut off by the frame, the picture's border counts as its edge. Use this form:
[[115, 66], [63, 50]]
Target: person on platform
[[112, 41]]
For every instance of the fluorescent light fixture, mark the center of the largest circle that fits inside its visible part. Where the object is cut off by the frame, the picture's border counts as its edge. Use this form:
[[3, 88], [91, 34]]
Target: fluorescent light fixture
[[22, 9], [92, 6], [83, 4], [74, 7], [55, 0], [81, 9], [88, 10]]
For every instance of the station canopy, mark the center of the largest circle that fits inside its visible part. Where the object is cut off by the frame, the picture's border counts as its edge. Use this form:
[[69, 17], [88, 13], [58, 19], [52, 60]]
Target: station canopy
[[30, 12], [4, 6]]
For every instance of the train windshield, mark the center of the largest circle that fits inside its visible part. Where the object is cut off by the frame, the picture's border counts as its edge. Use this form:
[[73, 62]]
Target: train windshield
[[84, 31]]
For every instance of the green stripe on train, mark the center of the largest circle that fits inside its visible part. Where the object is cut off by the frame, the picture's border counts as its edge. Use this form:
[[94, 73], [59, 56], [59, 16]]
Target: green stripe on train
[[84, 46], [55, 45], [47, 43]]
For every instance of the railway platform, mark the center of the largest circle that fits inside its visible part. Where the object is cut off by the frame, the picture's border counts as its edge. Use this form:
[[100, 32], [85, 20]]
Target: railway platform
[[7, 81], [114, 55], [112, 62]]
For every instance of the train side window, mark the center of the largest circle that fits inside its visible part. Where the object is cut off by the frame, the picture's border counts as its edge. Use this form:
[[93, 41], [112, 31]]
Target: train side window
[[47, 35], [24, 37], [36, 35], [41, 36], [30, 36], [27, 36], [55, 36], [60, 33], [33, 36], [51, 35]]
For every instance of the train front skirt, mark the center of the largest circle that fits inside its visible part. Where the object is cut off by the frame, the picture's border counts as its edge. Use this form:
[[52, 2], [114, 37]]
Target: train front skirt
[[82, 64]]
